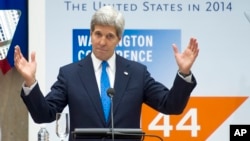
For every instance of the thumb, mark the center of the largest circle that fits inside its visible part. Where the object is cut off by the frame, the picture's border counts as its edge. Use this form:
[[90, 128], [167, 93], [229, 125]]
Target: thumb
[[33, 57], [175, 48]]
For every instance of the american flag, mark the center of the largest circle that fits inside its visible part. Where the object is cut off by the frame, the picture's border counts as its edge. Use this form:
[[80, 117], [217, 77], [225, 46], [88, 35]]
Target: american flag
[[13, 31]]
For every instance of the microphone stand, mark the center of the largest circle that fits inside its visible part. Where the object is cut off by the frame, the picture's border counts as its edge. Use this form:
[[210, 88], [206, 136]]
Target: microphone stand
[[110, 93], [112, 118]]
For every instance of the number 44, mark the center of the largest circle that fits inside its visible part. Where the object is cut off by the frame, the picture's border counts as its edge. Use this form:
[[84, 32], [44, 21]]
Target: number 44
[[167, 127]]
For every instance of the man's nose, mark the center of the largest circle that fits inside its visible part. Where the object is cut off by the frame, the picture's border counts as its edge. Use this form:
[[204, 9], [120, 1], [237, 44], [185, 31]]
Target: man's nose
[[103, 40]]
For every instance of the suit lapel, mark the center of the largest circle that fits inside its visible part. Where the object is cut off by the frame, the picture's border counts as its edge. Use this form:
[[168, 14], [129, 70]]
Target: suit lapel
[[122, 77], [87, 75]]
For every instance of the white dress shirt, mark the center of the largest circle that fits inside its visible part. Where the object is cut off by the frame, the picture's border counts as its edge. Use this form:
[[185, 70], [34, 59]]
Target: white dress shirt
[[97, 64]]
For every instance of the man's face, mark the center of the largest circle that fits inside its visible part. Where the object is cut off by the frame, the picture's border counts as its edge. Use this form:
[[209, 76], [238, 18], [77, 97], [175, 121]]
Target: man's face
[[104, 40]]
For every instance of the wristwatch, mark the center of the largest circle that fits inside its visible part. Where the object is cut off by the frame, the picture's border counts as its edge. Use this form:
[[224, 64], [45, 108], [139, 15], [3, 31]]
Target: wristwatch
[[185, 75]]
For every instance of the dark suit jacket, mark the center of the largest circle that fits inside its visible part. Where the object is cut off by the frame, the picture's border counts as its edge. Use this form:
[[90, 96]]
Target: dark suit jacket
[[76, 87]]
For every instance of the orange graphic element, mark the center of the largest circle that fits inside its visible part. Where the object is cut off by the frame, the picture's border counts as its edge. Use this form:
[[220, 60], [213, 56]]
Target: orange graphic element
[[201, 117]]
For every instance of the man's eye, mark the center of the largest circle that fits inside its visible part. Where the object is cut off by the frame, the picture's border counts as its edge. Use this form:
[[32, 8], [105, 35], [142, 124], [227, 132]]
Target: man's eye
[[98, 34], [110, 36]]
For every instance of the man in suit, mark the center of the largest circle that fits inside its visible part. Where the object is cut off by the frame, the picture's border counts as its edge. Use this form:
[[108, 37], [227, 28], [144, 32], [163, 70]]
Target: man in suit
[[78, 84]]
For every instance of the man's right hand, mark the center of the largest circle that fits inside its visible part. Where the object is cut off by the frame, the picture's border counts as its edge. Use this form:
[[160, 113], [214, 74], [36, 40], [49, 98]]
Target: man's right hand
[[25, 68]]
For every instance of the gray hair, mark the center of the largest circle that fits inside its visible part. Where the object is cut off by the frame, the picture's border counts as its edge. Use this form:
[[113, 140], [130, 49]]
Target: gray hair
[[107, 15]]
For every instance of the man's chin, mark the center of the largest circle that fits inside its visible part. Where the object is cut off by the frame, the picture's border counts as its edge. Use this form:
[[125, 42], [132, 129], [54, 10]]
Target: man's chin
[[102, 55]]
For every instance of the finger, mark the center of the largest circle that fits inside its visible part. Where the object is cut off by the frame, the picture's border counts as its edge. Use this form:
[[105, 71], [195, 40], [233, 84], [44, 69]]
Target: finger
[[33, 57], [16, 51], [175, 48], [190, 43], [197, 51], [196, 47], [193, 44], [18, 54]]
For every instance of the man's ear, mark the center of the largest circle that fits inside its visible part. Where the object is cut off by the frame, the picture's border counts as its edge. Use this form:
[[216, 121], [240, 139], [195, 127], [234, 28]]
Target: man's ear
[[119, 38]]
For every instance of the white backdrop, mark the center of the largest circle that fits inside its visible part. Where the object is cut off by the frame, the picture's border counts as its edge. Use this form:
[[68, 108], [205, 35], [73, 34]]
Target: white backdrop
[[221, 68]]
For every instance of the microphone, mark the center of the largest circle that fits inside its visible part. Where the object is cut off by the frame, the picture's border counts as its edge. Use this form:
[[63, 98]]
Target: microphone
[[111, 93]]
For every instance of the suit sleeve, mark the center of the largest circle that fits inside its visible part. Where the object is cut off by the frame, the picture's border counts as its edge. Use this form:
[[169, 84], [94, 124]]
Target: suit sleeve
[[37, 106], [44, 109], [168, 101]]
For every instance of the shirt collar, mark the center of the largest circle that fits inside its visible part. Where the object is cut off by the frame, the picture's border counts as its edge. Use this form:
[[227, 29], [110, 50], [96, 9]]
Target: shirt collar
[[97, 62]]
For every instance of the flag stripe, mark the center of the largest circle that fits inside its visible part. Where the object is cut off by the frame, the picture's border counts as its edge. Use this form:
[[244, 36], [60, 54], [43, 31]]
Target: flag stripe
[[5, 66]]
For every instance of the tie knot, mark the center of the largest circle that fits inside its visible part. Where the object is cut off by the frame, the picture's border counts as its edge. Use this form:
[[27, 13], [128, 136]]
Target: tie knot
[[104, 64]]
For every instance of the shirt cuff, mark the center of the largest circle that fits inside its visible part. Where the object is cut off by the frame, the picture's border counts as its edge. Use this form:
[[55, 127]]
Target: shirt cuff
[[187, 78], [27, 90]]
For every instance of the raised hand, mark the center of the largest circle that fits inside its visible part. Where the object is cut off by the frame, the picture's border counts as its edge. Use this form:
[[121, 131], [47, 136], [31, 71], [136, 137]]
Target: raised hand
[[25, 68], [186, 59]]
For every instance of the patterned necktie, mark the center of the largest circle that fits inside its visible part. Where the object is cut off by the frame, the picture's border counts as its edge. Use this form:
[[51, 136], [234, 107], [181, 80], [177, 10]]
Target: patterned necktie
[[104, 87]]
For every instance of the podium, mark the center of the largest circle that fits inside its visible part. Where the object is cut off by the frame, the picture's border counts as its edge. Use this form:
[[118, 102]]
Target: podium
[[107, 133]]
